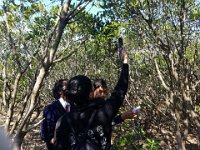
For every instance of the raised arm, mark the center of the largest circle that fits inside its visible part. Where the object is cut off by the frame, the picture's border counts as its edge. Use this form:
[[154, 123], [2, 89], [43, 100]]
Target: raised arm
[[114, 102]]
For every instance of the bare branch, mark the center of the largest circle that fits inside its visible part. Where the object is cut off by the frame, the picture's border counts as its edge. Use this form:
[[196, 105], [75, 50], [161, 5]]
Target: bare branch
[[146, 98], [160, 76], [196, 84], [75, 13], [70, 54], [66, 57], [34, 126], [4, 75], [11, 41], [72, 11]]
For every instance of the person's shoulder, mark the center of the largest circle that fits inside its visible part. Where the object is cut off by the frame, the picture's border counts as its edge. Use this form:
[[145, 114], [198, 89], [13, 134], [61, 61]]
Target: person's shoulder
[[50, 106], [97, 102], [55, 103]]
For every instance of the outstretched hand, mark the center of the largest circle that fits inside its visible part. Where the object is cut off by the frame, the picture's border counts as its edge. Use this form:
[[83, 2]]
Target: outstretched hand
[[129, 115]]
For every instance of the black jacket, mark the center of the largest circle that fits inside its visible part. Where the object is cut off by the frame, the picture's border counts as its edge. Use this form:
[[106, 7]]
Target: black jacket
[[104, 111]]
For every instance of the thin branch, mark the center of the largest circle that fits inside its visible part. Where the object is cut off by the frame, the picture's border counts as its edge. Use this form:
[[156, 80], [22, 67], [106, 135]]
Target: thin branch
[[53, 30], [70, 54], [66, 57], [11, 41], [75, 13], [160, 76], [146, 98], [35, 125], [196, 83]]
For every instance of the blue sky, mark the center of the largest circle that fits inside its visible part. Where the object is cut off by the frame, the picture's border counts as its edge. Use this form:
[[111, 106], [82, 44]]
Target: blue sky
[[93, 9], [90, 8]]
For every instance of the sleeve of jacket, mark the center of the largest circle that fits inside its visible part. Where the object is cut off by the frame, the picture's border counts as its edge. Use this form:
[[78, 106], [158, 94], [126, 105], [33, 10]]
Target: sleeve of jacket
[[50, 117], [114, 102], [117, 120], [50, 124]]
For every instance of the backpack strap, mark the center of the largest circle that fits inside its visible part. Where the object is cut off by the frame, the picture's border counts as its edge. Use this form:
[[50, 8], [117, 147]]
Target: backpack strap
[[90, 121], [73, 137]]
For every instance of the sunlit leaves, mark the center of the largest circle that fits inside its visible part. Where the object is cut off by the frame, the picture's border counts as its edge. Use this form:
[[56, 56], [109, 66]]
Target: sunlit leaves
[[111, 29], [195, 14]]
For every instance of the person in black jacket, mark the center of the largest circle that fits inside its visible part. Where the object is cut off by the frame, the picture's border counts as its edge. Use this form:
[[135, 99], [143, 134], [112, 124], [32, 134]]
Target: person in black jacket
[[101, 91], [76, 122], [53, 112]]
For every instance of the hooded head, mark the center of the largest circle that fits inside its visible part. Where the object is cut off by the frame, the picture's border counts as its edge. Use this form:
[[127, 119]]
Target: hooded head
[[78, 89]]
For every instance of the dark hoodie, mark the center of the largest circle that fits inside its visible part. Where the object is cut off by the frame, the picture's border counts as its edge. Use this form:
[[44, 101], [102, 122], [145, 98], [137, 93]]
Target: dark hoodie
[[104, 111]]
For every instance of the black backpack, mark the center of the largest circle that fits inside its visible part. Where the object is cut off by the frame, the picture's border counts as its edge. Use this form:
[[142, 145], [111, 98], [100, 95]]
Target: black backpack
[[85, 140]]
